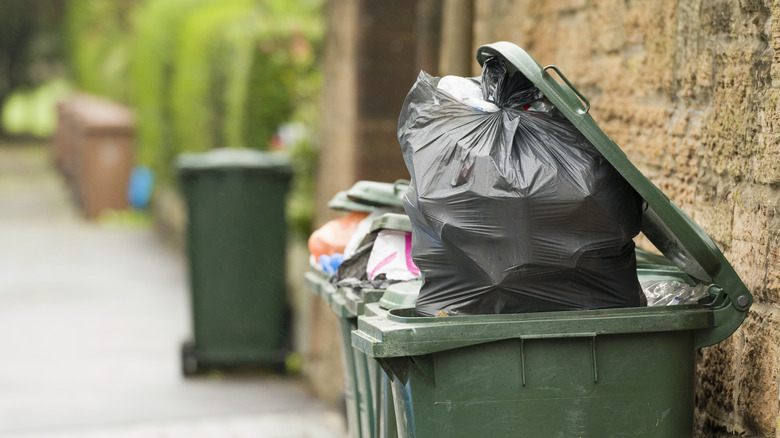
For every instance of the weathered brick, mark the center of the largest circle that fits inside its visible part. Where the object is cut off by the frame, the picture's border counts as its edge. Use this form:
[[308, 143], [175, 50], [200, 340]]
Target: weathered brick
[[705, 427], [758, 370], [610, 36], [714, 210], [749, 247], [774, 41], [564, 6], [728, 137], [716, 374], [773, 257], [767, 168], [654, 25], [490, 22]]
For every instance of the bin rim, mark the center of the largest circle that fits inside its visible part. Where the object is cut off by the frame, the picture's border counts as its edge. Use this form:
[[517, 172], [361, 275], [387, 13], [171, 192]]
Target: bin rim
[[356, 300], [392, 221], [341, 201], [338, 304], [402, 333], [667, 226], [221, 159], [379, 194]]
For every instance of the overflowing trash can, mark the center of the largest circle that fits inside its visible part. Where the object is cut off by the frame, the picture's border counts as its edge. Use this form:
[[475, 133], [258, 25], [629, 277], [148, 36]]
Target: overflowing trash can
[[592, 368], [401, 295], [236, 245], [376, 416], [379, 206]]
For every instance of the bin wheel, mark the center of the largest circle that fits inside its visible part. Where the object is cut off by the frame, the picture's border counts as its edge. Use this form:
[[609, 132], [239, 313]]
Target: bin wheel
[[189, 361]]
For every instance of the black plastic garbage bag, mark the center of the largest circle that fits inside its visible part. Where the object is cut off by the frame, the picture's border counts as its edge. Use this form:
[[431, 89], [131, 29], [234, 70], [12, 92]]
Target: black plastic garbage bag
[[514, 210]]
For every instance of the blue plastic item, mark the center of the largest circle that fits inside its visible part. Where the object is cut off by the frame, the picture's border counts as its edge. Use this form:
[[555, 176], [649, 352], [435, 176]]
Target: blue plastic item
[[331, 263], [139, 190]]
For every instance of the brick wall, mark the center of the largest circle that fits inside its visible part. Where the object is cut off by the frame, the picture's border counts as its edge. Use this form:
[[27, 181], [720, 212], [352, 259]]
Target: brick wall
[[689, 90]]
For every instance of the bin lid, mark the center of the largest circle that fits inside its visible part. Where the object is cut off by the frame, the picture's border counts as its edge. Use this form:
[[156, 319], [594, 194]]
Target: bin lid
[[401, 295], [392, 221], [234, 158], [341, 202], [379, 194], [670, 229], [99, 115], [402, 333]]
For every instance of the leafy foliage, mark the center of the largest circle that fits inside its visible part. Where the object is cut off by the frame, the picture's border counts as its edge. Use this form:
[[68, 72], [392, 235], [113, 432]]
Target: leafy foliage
[[156, 28], [30, 47], [202, 74], [98, 46]]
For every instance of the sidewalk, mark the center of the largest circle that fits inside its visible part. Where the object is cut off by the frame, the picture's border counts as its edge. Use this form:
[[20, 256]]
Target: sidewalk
[[91, 319]]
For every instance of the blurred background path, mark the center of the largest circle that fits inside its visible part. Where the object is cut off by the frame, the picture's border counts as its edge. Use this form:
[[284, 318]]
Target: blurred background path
[[91, 321]]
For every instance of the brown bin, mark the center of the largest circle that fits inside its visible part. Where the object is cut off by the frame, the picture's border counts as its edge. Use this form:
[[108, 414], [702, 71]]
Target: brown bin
[[102, 154], [64, 137], [60, 140]]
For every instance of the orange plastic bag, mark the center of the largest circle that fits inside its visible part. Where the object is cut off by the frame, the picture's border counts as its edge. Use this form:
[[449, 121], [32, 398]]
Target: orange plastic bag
[[333, 237]]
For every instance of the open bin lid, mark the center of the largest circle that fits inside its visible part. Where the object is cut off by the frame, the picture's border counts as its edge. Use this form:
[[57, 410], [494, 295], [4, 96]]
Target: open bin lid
[[669, 228], [379, 194], [341, 201], [99, 115], [226, 159], [392, 221]]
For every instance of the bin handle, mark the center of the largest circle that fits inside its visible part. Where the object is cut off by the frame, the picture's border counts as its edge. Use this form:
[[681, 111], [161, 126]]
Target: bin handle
[[572, 87], [593, 357]]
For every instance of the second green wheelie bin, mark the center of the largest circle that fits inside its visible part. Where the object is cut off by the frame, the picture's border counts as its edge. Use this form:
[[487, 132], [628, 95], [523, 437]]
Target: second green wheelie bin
[[350, 303], [236, 240], [587, 374], [360, 384], [396, 296]]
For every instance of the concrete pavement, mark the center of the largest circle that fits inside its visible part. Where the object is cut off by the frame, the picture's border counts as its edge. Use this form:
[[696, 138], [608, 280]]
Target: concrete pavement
[[91, 319]]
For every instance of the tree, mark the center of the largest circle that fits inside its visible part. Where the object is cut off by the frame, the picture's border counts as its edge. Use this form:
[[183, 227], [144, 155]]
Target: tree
[[30, 44]]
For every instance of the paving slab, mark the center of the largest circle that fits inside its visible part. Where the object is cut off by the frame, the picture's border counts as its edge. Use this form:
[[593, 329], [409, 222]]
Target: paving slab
[[91, 320]]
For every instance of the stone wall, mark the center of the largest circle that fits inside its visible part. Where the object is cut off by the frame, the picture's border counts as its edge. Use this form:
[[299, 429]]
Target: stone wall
[[689, 90]]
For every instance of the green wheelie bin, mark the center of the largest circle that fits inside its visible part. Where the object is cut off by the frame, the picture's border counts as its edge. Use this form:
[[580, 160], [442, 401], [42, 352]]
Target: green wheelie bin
[[591, 373], [397, 296], [377, 303], [236, 240], [375, 418], [347, 304]]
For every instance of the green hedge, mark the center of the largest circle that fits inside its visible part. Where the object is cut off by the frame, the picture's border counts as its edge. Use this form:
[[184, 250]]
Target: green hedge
[[98, 38], [202, 74], [156, 26]]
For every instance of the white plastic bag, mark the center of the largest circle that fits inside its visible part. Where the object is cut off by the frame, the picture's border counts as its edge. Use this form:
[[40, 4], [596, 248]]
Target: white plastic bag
[[363, 228], [392, 256], [467, 91]]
